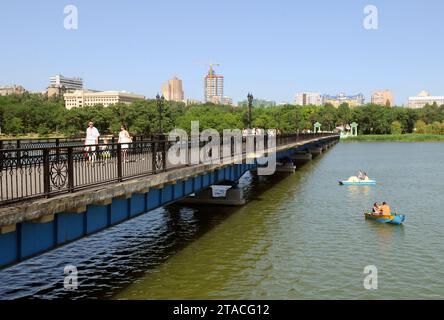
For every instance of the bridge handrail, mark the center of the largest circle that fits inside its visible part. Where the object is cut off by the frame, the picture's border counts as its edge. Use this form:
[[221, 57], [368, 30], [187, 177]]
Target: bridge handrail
[[35, 172]]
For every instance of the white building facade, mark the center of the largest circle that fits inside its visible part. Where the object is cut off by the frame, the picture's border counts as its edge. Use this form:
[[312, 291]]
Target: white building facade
[[423, 98], [70, 84], [81, 98], [308, 98]]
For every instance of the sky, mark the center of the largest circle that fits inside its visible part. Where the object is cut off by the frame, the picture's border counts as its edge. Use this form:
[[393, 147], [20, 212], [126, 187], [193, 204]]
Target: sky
[[270, 48]]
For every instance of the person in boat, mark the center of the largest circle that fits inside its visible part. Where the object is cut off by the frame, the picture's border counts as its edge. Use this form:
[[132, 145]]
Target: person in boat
[[385, 209], [361, 175], [365, 177], [376, 208]]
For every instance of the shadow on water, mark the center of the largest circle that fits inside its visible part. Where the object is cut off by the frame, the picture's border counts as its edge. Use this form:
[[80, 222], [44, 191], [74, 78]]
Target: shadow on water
[[110, 260]]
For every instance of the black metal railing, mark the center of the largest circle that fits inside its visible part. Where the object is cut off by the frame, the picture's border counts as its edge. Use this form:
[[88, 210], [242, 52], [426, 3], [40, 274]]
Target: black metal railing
[[59, 142], [45, 171]]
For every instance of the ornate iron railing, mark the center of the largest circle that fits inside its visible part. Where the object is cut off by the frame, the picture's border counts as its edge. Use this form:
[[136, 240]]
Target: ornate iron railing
[[45, 171]]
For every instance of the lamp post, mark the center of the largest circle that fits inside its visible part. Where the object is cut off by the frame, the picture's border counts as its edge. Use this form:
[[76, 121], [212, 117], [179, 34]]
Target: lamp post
[[250, 104], [160, 101]]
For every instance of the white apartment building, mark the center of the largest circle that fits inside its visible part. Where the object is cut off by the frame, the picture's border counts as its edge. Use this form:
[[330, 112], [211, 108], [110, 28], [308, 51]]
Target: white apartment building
[[424, 98], [81, 98], [308, 98], [70, 84]]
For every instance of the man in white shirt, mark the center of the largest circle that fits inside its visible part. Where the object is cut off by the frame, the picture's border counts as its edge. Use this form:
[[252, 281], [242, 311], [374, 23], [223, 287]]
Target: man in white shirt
[[92, 138]]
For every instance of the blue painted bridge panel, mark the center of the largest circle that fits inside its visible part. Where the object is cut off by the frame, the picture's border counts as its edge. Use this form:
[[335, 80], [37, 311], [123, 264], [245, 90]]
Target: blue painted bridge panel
[[70, 226], [179, 190], [138, 204], [206, 180], [119, 210], [197, 183], [153, 198], [8, 248], [167, 193], [96, 218], [36, 237]]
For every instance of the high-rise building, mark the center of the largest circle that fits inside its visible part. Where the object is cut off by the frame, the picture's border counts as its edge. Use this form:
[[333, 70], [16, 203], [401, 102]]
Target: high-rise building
[[352, 101], [14, 89], [70, 84], [383, 98], [81, 98], [308, 98], [172, 90], [214, 87], [424, 98]]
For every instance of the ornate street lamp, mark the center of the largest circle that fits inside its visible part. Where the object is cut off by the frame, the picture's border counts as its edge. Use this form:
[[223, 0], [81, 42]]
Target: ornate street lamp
[[160, 102], [250, 104]]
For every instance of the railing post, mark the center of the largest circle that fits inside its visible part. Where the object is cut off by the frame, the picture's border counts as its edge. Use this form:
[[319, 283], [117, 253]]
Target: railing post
[[57, 143], [46, 184], [19, 154], [153, 155], [232, 146], [119, 162], [165, 152], [70, 170]]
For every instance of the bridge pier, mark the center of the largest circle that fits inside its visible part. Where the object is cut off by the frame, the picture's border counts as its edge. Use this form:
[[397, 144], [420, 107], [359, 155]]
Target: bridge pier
[[233, 197], [301, 157], [285, 167], [315, 151]]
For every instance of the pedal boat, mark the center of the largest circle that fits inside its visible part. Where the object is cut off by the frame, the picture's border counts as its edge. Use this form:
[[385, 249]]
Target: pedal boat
[[393, 219]]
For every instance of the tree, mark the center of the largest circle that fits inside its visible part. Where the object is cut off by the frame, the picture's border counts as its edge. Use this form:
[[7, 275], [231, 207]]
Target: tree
[[420, 127], [14, 126], [396, 127]]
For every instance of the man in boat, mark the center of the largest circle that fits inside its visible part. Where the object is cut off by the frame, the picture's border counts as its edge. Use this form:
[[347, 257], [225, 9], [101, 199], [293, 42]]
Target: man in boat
[[385, 209], [361, 175]]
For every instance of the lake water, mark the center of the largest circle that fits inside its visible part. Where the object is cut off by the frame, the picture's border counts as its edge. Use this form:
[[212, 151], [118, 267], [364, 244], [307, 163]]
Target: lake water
[[300, 236]]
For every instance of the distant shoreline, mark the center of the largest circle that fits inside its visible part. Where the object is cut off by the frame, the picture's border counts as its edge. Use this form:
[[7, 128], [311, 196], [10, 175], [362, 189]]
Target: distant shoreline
[[409, 137]]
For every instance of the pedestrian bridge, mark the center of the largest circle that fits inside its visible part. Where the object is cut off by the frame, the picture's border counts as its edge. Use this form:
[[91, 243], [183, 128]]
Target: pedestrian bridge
[[53, 194]]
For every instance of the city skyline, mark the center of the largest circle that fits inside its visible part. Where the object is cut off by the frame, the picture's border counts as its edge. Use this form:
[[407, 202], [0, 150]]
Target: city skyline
[[275, 71]]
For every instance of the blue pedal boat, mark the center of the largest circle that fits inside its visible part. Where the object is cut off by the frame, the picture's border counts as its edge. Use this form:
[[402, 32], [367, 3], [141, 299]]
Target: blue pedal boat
[[393, 219]]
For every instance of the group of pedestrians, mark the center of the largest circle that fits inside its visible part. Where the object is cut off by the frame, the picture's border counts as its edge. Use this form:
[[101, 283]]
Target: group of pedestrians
[[92, 141], [260, 132]]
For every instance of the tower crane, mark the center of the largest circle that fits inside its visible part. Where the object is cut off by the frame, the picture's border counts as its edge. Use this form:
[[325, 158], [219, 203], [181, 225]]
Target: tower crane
[[210, 64]]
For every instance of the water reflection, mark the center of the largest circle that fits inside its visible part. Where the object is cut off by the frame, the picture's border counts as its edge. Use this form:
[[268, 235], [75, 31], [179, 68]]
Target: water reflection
[[358, 191]]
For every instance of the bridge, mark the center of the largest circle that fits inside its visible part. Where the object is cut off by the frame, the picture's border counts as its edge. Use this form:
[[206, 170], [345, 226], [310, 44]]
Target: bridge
[[55, 192]]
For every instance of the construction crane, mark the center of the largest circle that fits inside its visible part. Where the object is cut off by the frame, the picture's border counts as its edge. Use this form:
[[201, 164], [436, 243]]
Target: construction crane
[[211, 64]]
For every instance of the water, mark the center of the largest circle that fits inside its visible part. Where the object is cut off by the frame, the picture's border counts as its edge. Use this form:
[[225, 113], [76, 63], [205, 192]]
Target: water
[[301, 236]]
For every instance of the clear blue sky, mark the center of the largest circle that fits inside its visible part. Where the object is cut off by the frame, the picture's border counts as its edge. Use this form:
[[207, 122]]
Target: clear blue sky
[[271, 48]]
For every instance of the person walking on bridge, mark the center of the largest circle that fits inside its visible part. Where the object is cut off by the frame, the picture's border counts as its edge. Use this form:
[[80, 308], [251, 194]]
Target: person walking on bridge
[[91, 139]]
